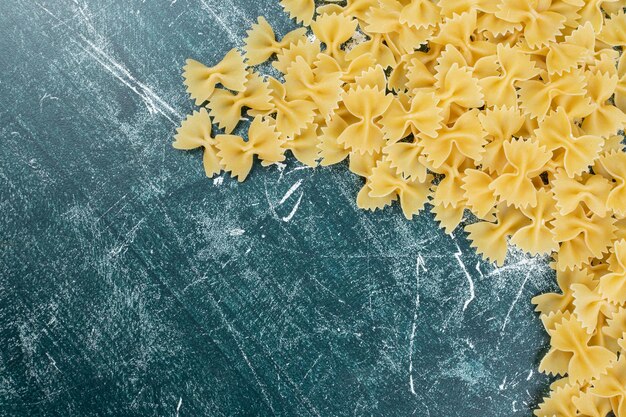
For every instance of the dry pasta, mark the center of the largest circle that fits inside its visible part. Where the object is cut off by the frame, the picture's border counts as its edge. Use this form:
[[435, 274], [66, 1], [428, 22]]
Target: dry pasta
[[510, 110]]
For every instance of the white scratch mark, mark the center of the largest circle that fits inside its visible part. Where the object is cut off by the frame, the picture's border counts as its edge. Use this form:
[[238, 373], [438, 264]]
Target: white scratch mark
[[128, 240], [478, 269], [293, 210], [236, 232], [299, 169], [419, 263], [311, 368], [472, 296], [289, 192], [218, 181], [502, 385], [530, 375], [180, 404], [53, 362], [43, 98], [517, 297], [154, 103]]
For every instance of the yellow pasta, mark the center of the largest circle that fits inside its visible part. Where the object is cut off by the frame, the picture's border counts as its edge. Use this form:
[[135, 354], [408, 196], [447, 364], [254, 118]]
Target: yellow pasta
[[510, 110], [261, 42], [237, 155], [202, 80], [195, 132]]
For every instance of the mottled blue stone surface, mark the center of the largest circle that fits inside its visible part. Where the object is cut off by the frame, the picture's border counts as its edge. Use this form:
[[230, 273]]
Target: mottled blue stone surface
[[130, 284]]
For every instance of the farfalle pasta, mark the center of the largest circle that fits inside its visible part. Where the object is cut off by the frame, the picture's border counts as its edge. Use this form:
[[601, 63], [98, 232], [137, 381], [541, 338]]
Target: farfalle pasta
[[510, 110]]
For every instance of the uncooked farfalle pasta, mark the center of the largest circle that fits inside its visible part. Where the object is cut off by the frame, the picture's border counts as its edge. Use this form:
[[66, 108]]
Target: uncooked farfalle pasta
[[511, 110]]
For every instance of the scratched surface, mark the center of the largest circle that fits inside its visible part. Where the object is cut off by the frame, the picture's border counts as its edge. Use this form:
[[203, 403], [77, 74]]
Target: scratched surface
[[132, 285]]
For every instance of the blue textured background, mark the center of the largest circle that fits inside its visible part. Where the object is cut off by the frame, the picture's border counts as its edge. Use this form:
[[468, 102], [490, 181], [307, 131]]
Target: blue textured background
[[130, 284]]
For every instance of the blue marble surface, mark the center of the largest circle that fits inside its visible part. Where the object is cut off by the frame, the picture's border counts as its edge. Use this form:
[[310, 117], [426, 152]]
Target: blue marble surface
[[130, 284]]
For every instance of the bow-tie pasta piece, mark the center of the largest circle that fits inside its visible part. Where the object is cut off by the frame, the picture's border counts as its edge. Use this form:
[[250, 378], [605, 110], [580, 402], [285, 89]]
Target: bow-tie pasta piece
[[620, 90], [385, 181], [305, 146], [614, 30], [291, 115], [449, 192], [419, 115], [525, 161], [537, 97], [226, 107], [366, 104], [334, 30], [615, 330], [501, 124], [550, 303], [195, 132], [480, 199], [612, 286], [514, 66], [420, 14], [587, 362], [490, 239], [405, 158], [591, 191], [331, 151], [465, 137], [537, 238], [588, 404], [201, 80], [614, 166], [458, 87], [560, 402], [606, 119], [385, 19], [555, 133], [237, 155], [305, 49], [541, 21], [578, 46], [300, 10], [582, 237], [613, 386], [261, 43], [321, 88], [589, 306]]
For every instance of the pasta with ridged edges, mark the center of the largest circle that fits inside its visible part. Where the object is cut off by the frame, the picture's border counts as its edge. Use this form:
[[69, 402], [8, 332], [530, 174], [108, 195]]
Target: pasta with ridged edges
[[503, 116]]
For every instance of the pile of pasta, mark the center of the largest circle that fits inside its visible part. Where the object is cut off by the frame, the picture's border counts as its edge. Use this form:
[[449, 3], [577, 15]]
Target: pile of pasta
[[506, 111]]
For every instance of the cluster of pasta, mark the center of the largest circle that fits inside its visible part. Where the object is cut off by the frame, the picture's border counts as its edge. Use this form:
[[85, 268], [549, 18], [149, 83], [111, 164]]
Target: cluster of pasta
[[510, 110]]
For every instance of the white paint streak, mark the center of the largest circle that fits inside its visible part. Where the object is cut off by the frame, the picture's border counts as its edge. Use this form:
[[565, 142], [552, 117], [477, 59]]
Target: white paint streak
[[180, 404], [478, 269], [517, 297], [472, 295], [418, 264], [290, 192], [502, 385], [236, 232], [293, 210]]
